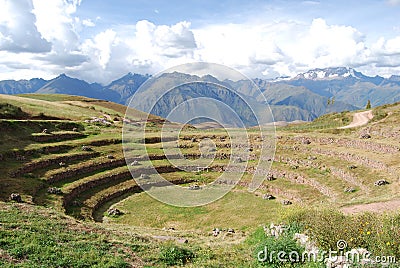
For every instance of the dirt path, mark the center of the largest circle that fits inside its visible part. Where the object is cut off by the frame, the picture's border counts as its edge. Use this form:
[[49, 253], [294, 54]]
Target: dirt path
[[360, 119], [391, 205]]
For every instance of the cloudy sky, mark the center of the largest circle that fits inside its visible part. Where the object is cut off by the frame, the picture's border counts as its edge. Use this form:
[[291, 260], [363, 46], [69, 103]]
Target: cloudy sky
[[101, 40]]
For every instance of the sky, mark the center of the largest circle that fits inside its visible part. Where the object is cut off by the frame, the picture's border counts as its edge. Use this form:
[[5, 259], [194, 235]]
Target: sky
[[102, 40]]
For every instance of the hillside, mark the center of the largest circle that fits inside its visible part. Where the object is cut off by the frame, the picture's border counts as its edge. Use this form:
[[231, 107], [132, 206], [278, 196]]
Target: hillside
[[64, 156]]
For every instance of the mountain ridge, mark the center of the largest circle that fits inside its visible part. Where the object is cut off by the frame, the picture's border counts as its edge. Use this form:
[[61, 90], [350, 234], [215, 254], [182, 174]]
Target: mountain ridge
[[310, 92]]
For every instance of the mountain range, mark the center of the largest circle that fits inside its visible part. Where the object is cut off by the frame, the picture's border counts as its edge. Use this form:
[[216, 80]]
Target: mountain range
[[303, 97]]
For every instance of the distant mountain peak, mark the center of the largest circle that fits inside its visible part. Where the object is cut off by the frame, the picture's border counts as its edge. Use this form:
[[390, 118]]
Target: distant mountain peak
[[330, 73]]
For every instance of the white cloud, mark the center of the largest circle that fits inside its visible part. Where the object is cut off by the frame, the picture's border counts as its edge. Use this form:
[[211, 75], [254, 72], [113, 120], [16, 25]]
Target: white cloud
[[46, 34], [18, 32], [88, 23], [55, 23]]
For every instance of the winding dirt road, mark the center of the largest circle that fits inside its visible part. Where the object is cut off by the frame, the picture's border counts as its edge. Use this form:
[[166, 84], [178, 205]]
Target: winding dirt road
[[360, 119], [379, 207]]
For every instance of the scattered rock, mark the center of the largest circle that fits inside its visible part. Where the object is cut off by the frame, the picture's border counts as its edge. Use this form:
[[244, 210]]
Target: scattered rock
[[268, 197], [309, 245], [135, 163], [16, 197], [194, 187], [216, 232], [54, 190], [365, 136], [144, 176], [286, 202], [381, 182], [114, 212], [102, 121], [349, 190], [238, 160], [86, 148], [168, 229], [270, 177], [110, 156], [275, 230]]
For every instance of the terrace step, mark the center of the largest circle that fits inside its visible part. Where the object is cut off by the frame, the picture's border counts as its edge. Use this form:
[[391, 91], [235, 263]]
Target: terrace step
[[43, 163]]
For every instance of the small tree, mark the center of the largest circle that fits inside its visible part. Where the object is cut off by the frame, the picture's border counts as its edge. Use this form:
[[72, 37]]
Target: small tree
[[368, 106], [329, 101]]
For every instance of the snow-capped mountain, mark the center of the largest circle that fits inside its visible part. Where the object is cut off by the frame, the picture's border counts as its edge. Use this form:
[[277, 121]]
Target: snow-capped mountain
[[330, 74]]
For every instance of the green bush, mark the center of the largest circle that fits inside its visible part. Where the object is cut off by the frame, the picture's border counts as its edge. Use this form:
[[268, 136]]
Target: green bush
[[268, 247], [378, 233], [173, 255]]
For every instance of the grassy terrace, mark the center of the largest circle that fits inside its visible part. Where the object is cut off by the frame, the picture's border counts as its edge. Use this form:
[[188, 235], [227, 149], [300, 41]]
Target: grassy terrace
[[312, 175]]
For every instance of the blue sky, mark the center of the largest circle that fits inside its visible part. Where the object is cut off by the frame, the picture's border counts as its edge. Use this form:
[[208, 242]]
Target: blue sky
[[102, 40]]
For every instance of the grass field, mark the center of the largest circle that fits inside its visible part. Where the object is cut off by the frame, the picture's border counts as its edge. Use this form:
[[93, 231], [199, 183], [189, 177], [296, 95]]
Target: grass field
[[319, 168]]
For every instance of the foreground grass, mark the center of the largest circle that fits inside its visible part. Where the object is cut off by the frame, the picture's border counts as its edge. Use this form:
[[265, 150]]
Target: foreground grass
[[31, 237]]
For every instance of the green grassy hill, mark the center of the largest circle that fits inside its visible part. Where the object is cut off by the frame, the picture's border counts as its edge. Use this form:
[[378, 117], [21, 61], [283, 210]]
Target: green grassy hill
[[63, 155]]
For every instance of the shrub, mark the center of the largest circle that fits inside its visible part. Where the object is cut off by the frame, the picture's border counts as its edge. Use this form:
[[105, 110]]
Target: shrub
[[173, 255], [267, 253]]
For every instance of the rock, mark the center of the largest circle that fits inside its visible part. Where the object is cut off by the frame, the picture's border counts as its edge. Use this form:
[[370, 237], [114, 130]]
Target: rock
[[275, 230], [86, 148], [352, 167], [238, 160], [54, 190], [268, 197], [311, 157], [270, 177], [114, 212], [168, 229], [381, 182], [193, 140], [194, 187], [135, 163], [306, 141], [286, 202], [216, 232], [349, 190], [231, 230], [75, 129], [365, 136], [15, 197], [61, 164], [110, 156], [45, 131], [305, 241], [212, 149], [144, 176]]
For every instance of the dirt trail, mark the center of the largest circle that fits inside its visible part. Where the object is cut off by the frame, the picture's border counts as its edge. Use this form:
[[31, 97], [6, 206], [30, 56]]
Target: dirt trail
[[379, 207], [360, 119]]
